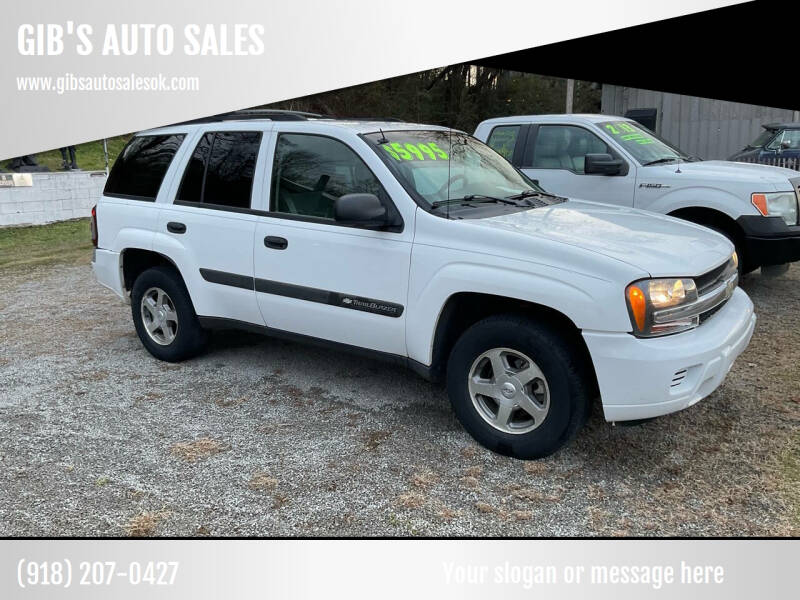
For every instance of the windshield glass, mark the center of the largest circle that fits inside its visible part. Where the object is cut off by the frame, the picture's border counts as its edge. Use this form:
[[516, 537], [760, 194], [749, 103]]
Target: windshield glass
[[644, 145], [439, 170], [763, 138]]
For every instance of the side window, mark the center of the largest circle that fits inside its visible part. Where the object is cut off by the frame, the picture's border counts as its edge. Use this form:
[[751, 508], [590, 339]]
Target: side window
[[220, 170], [776, 141], [503, 139], [564, 147], [310, 172], [792, 136], [141, 166]]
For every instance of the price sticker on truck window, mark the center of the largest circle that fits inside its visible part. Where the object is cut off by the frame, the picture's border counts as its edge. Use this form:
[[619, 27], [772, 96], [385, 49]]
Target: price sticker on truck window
[[421, 151], [628, 132]]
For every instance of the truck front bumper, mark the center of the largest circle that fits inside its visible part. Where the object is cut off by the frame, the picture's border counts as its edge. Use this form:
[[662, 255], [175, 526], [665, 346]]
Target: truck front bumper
[[769, 240], [640, 378]]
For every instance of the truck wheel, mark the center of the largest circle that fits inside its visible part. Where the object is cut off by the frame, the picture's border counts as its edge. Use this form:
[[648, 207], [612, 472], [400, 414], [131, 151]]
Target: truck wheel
[[164, 316], [517, 387]]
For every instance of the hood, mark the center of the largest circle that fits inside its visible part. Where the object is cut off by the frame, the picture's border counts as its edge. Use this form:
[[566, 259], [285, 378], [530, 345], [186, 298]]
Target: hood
[[723, 170], [660, 245]]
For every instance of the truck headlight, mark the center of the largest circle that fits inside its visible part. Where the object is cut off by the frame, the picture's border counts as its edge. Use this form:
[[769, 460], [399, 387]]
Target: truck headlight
[[777, 204], [652, 304]]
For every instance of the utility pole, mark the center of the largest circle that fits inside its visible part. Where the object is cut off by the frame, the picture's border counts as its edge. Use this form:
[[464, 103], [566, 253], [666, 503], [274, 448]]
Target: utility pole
[[570, 93]]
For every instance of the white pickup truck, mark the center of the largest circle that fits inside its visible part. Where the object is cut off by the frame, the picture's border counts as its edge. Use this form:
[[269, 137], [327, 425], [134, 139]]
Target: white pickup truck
[[616, 160], [423, 246]]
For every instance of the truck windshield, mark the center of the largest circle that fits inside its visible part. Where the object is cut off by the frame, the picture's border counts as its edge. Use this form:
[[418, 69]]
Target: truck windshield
[[644, 145], [763, 138], [441, 166]]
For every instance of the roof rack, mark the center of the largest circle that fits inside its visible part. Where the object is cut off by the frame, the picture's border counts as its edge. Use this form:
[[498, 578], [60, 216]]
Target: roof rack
[[384, 119], [257, 113], [272, 114]]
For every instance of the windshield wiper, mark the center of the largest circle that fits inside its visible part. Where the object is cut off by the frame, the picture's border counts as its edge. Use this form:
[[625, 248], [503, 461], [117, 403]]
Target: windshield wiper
[[662, 160], [528, 193], [473, 198]]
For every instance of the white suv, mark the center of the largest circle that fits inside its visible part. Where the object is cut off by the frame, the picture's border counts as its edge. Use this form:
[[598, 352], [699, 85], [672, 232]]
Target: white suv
[[616, 160], [423, 246]]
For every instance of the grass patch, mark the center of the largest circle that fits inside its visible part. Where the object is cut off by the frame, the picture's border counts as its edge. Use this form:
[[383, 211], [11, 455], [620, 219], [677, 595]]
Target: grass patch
[[144, 524], [197, 449], [89, 156], [66, 241], [262, 481]]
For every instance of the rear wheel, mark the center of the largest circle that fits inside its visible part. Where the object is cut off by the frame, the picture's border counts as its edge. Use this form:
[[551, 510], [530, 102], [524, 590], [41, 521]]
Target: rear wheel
[[164, 316], [517, 386]]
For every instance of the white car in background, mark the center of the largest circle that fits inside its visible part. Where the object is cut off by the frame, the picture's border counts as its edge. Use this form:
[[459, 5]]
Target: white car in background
[[618, 161]]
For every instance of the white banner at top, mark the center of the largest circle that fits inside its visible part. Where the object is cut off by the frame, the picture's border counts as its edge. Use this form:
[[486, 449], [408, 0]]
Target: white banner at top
[[77, 71]]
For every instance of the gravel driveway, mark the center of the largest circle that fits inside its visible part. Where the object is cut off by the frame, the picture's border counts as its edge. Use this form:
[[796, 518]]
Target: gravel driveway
[[265, 437]]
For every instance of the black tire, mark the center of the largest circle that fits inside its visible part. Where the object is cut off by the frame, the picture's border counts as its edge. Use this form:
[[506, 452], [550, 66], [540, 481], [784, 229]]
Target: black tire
[[744, 266], [190, 338], [562, 365]]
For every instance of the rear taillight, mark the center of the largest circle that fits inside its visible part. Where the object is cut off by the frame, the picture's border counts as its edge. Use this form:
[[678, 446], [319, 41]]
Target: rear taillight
[[94, 226]]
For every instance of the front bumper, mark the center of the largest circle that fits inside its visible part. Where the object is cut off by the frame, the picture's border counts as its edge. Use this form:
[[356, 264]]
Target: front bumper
[[642, 378], [769, 240]]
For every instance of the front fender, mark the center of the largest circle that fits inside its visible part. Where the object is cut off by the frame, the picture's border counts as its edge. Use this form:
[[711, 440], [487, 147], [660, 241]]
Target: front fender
[[589, 302], [702, 197]]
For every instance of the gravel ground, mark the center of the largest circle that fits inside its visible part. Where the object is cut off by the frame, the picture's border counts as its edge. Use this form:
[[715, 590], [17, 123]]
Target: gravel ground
[[265, 437]]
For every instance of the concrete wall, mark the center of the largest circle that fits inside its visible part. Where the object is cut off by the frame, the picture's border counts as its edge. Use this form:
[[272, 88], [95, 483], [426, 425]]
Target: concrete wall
[[52, 197], [710, 129]]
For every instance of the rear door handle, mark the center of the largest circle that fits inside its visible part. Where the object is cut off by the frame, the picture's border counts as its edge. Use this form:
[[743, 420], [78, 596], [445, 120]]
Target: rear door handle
[[174, 227], [276, 243]]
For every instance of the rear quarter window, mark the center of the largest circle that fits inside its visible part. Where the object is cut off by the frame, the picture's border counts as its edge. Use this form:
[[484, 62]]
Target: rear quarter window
[[141, 166]]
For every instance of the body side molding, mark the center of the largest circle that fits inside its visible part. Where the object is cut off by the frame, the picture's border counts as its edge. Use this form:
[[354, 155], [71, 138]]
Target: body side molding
[[299, 292]]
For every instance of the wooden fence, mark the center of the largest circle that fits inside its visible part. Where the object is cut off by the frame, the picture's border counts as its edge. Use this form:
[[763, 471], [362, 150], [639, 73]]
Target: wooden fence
[[775, 161]]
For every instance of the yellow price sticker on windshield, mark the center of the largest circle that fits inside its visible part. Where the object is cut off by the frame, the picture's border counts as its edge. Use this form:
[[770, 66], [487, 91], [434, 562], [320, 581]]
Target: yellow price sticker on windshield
[[629, 133], [421, 151]]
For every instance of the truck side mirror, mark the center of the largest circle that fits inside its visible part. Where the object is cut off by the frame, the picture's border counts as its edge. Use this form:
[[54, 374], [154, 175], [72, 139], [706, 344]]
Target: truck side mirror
[[364, 210], [602, 164]]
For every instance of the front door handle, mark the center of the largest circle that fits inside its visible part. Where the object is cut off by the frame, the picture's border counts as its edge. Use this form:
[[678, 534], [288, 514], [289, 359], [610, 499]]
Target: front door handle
[[276, 243], [175, 227]]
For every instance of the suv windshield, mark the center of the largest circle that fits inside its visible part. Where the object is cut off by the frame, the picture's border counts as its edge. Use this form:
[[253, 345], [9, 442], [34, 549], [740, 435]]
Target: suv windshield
[[644, 145], [440, 165]]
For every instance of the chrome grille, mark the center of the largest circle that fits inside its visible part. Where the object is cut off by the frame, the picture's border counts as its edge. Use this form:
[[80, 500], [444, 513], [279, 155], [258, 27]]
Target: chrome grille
[[714, 277], [725, 275]]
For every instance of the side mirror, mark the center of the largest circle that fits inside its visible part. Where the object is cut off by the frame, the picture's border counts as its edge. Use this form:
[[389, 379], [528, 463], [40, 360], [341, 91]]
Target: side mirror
[[602, 164], [365, 210]]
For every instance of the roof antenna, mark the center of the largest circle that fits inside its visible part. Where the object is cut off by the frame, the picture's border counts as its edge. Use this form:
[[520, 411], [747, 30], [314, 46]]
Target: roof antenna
[[383, 139]]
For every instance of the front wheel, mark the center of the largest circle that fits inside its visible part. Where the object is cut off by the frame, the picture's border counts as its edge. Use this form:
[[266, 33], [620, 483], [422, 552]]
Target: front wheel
[[517, 386], [164, 316]]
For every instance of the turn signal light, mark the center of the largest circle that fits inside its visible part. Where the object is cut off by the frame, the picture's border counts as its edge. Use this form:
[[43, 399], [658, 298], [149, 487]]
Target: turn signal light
[[760, 202], [638, 304]]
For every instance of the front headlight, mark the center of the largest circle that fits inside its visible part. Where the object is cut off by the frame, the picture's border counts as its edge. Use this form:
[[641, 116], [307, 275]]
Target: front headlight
[[651, 304], [777, 204]]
